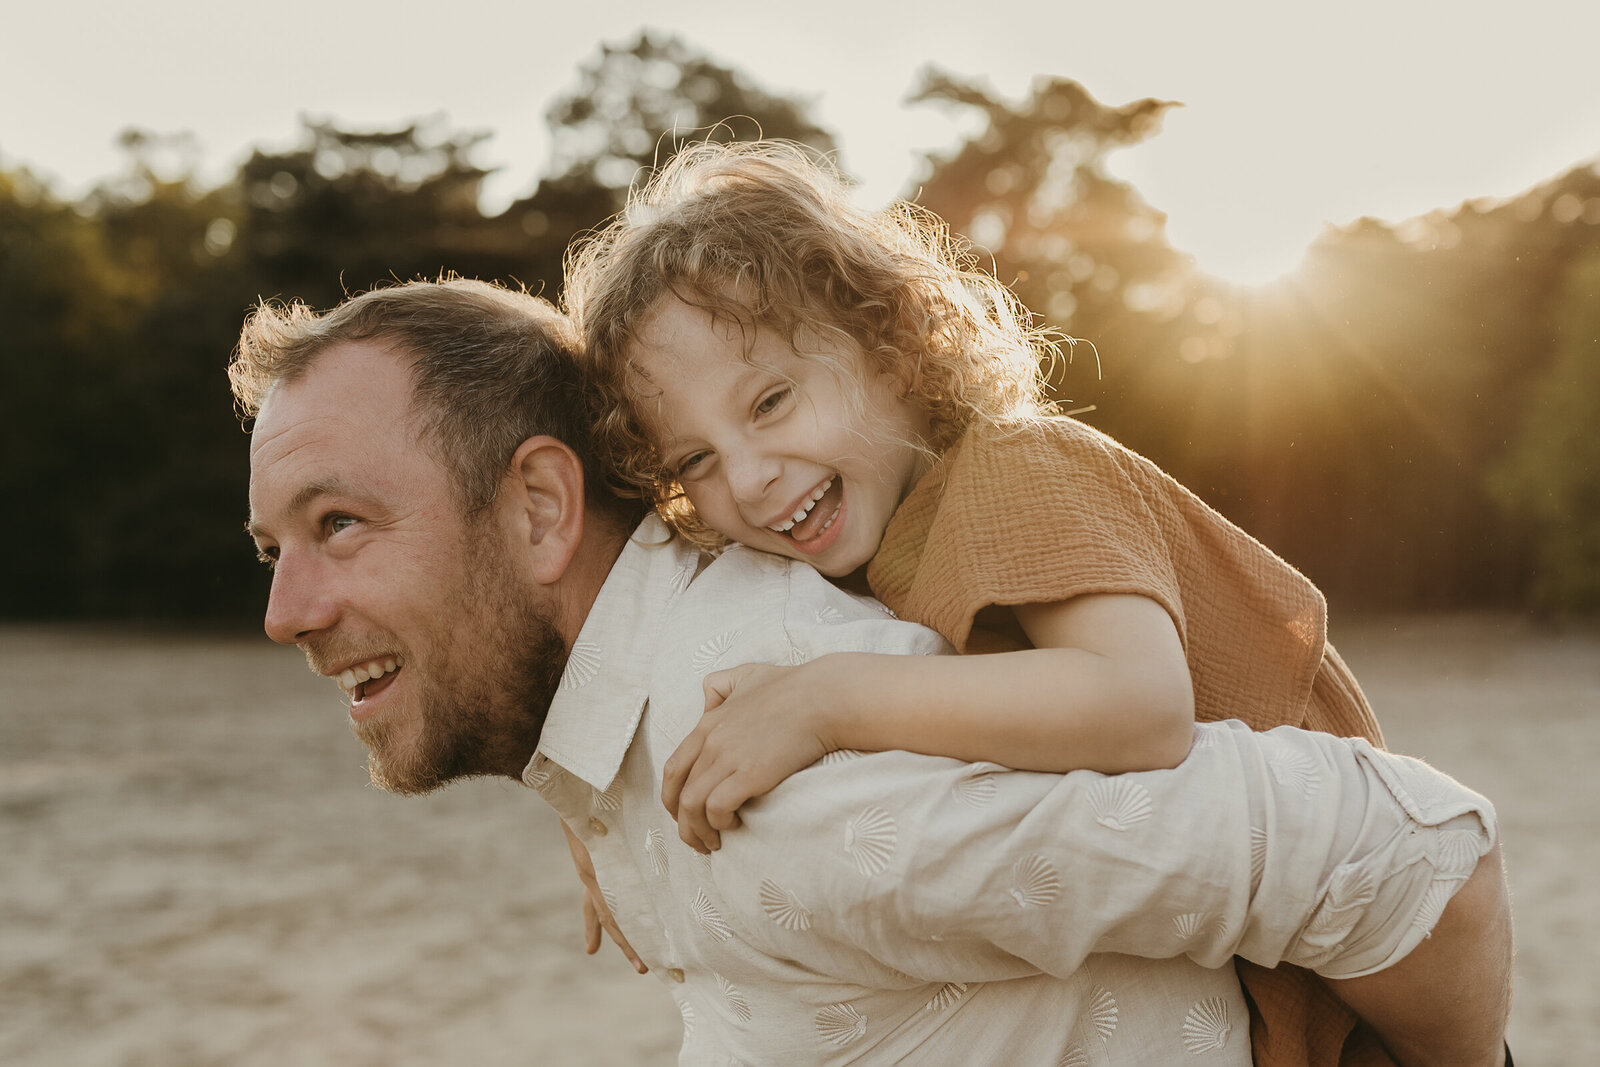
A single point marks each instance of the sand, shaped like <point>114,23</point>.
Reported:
<point>197,872</point>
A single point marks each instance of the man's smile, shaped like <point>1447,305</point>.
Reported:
<point>364,681</point>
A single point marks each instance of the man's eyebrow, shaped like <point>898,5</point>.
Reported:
<point>307,493</point>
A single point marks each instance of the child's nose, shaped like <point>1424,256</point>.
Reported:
<point>752,477</point>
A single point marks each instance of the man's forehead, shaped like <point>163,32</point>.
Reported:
<point>346,369</point>
<point>349,413</point>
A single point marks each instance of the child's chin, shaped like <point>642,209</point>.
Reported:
<point>833,568</point>
<point>786,546</point>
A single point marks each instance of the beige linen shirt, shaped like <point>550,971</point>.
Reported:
<point>890,907</point>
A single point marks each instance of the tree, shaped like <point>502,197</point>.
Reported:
<point>1345,416</point>
<point>636,104</point>
<point>1550,478</point>
<point>64,309</point>
<point>1031,190</point>
<point>633,107</point>
<point>346,210</point>
<point>119,312</point>
<point>167,488</point>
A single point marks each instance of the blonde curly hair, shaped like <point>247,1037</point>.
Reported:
<point>764,234</point>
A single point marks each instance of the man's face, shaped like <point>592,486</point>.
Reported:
<point>442,644</point>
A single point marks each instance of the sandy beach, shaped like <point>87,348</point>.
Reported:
<point>197,872</point>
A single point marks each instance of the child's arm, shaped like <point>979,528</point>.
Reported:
<point>1106,688</point>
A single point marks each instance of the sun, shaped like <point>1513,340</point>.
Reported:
<point>1249,252</point>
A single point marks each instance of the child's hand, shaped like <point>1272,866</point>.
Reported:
<point>596,915</point>
<point>761,724</point>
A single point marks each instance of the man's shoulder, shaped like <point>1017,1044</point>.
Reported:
<point>749,606</point>
<point>760,583</point>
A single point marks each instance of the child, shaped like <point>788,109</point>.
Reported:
<point>787,371</point>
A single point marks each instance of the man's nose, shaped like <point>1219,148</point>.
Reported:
<point>751,476</point>
<point>299,603</point>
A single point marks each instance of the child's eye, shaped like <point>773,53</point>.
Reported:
<point>770,403</point>
<point>687,464</point>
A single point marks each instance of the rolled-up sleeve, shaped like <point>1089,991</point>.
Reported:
<point>1286,846</point>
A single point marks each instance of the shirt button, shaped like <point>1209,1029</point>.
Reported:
<point>598,828</point>
<point>676,974</point>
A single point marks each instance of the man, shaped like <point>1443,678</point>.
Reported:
<point>420,483</point>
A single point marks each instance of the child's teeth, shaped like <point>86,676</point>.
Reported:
<point>805,509</point>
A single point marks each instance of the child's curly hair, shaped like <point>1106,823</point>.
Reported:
<point>764,234</point>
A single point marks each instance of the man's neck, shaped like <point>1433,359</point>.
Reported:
<point>603,541</point>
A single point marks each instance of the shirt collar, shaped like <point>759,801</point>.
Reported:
<point>605,686</point>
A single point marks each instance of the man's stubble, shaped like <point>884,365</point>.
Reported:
<point>481,689</point>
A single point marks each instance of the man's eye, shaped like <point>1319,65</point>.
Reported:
<point>269,556</point>
<point>769,403</point>
<point>339,523</point>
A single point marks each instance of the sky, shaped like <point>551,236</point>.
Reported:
<point>1296,115</point>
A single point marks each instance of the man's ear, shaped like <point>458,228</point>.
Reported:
<point>547,505</point>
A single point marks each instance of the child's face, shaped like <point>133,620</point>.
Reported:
<point>758,438</point>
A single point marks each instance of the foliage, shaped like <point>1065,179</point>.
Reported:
<point>1032,192</point>
<point>1550,479</point>
<point>1344,416</point>
<point>635,105</point>
<point>61,305</point>
<point>1408,419</point>
<point>118,314</point>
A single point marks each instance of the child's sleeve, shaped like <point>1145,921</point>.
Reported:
<point>1036,514</point>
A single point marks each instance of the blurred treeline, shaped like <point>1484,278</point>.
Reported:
<point>1408,418</point>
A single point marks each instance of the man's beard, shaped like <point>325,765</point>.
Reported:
<point>482,692</point>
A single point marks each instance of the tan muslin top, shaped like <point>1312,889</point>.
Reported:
<point>1052,509</point>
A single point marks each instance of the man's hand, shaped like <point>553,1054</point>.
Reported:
<point>596,916</point>
<point>761,724</point>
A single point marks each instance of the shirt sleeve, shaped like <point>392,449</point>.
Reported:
<point>1080,514</point>
<point>1287,846</point>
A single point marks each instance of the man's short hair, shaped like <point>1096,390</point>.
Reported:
<point>490,368</point>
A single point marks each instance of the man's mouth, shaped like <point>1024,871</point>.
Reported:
<point>365,680</point>
<point>815,513</point>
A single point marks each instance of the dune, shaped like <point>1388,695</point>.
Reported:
<point>197,872</point>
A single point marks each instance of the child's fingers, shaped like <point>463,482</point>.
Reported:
<point>725,800</point>
<point>671,789</point>
<point>696,832</point>
<point>675,772</point>
<point>719,685</point>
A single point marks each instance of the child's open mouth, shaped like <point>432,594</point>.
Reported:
<point>812,519</point>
